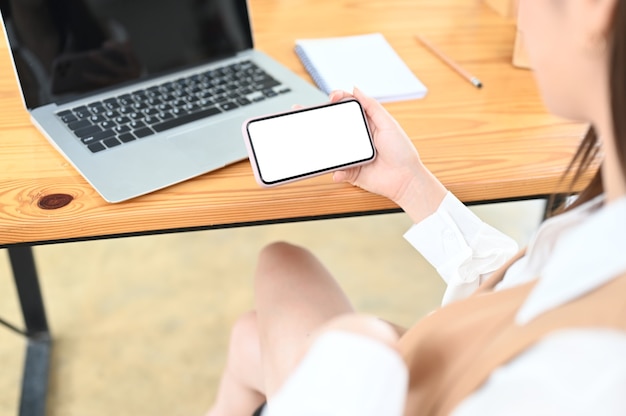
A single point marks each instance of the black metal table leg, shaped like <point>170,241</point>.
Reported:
<point>37,361</point>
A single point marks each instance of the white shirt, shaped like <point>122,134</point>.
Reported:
<point>570,372</point>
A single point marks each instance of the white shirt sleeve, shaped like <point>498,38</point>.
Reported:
<point>463,249</point>
<point>344,374</point>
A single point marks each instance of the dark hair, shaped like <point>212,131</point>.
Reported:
<point>588,150</point>
<point>618,81</point>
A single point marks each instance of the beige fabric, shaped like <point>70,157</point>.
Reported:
<point>452,352</point>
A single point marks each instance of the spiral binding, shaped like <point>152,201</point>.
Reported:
<point>308,65</point>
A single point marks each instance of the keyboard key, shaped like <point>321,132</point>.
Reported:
<point>97,137</point>
<point>68,118</point>
<point>111,104</point>
<point>220,97</point>
<point>178,112</point>
<point>267,82</point>
<point>87,131</point>
<point>151,120</point>
<point>107,124</point>
<point>228,105</point>
<point>178,103</point>
<point>96,147</point>
<point>140,106</point>
<point>95,119</point>
<point>136,124</point>
<point>112,142</point>
<point>82,113</point>
<point>136,116</point>
<point>80,108</point>
<point>127,102</point>
<point>146,131</point>
<point>79,124</point>
<point>121,129</point>
<point>126,137</point>
<point>191,108</point>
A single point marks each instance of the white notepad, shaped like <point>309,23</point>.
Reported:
<point>364,61</point>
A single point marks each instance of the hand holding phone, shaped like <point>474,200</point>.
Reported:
<point>307,142</point>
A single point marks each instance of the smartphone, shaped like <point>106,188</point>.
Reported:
<point>307,142</point>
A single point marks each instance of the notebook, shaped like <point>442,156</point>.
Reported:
<point>366,61</point>
<point>141,94</point>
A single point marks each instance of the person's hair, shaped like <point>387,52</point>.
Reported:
<point>589,148</point>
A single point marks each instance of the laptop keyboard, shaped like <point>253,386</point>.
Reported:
<point>101,125</point>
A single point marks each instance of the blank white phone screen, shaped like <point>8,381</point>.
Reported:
<point>310,141</point>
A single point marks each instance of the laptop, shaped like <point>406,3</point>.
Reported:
<point>142,94</point>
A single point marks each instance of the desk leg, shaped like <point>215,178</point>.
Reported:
<point>36,365</point>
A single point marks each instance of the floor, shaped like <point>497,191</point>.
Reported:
<point>141,324</point>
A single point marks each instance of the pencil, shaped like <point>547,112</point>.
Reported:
<point>462,72</point>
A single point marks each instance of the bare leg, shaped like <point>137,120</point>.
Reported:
<point>240,388</point>
<point>295,295</point>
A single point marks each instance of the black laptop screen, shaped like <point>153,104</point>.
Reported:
<point>67,48</point>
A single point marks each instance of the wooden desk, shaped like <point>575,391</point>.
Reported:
<point>491,144</point>
<point>497,143</point>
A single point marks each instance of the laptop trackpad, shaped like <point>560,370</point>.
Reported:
<point>209,146</point>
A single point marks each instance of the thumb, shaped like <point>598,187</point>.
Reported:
<point>340,176</point>
<point>348,175</point>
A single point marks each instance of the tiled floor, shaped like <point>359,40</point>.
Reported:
<point>140,324</point>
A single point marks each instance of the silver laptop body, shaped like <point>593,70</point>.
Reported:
<point>75,60</point>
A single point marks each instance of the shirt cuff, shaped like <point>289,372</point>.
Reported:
<point>440,239</point>
<point>460,246</point>
<point>344,374</point>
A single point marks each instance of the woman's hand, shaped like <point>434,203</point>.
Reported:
<point>397,172</point>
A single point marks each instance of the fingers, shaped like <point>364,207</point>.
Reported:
<point>376,112</point>
<point>333,97</point>
<point>339,95</point>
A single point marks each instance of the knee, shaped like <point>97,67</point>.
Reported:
<point>280,257</point>
<point>281,251</point>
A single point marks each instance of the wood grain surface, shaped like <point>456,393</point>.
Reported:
<point>489,144</point>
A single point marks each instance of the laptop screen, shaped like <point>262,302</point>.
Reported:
<point>64,49</point>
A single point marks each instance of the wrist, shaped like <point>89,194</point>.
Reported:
<point>421,194</point>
